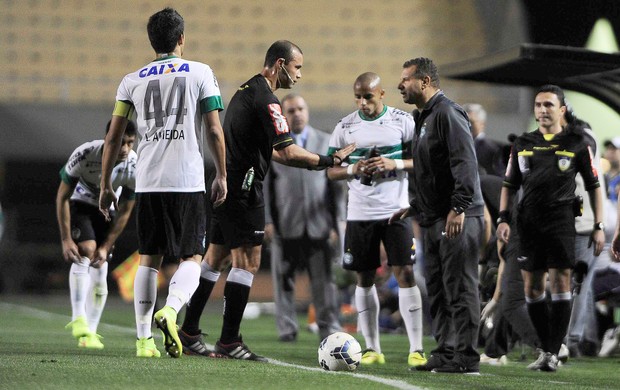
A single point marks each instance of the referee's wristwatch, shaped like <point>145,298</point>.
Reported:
<point>599,226</point>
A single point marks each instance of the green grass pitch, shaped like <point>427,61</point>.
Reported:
<point>36,352</point>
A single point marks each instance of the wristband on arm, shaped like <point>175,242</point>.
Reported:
<point>325,162</point>
<point>504,216</point>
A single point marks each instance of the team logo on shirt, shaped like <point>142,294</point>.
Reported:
<point>423,130</point>
<point>279,121</point>
<point>564,163</point>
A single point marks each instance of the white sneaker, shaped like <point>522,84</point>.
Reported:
<point>563,354</point>
<point>501,361</point>
<point>610,342</point>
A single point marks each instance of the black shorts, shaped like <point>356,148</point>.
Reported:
<point>171,223</point>
<point>234,224</point>
<point>362,241</point>
<point>87,223</point>
<point>547,239</point>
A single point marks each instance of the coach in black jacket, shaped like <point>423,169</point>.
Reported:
<point>448,204</point>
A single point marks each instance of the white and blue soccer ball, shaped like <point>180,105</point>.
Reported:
<point>339,352</point>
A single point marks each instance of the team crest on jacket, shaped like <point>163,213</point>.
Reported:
<point>423,130</point>
<point>564,163</point>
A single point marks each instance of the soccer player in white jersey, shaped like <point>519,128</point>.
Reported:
<point>387,131</point>
<point>175,100</point>
<point>87,238</point>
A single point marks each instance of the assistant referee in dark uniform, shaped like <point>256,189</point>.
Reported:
<point>545,162</point>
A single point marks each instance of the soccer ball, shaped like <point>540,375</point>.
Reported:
<point>339,352</point>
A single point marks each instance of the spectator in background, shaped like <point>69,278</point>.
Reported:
<point>302,211</point>
<point>606,291</point>
<point>582,334</point>
<point>87,237</point>
<point>612,176</point>
<point>488,152</point>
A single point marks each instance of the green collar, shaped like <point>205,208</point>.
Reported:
<point>165,58</point>
<point>364,117</point>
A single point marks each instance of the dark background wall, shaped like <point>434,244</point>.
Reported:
<point>46,114</point>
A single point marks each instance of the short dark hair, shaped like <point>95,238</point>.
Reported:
<point>554,89</point>
<point>424,67</point>
<point>280,49</point>
<point>288,97</point>
<point>130,130</point>
<point>164,29</point>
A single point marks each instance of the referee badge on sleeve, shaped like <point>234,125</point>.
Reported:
<point>564,159</point>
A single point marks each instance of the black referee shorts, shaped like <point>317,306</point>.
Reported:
<point>547,239</point>
<point>171,223</point>
<point>234,224</point>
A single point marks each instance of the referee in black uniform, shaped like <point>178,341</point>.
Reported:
<point>256,131</point>
<point>545,162</point>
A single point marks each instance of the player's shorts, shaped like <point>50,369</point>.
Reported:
<point>87,223</point>
<point>171,223</point>
<point>547,239</point>
<point>234,224</point>
<point>362,241</point>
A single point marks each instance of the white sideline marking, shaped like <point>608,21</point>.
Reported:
<point>46,315</point>
<point>42,314</point>
<point>397,384</point>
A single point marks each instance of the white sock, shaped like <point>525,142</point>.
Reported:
<point>367,304</point>
<point>144,296</point>
<point>410,306</point>
<point>183,284</point>
<point>208,273</point>
<point>79,283</point>
<point>97,296</point>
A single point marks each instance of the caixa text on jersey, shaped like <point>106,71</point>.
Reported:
<point>163,68</point>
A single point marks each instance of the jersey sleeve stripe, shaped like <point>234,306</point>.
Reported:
<point>123,108</point>
<point>65,177</point>
<point>128,194</point>
<point>210,104</point>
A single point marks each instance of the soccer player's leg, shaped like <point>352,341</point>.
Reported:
<point>396,240</point>
<point>236,294</point>
<point>362,254</point>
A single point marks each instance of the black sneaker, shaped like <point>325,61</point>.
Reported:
<point>551,363</point>
<point>288,338</point>
<point>453,367</point>
<point>194,345</point>
<point>237,350</point>
<point>433,362</point>
<point>540,361</point>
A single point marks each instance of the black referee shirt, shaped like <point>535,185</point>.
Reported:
<point>254,125</point>
<point>546,169</point>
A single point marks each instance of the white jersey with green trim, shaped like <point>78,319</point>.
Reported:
<point>389,132</point>
<point>169,96</point>
<point>84,165</point>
